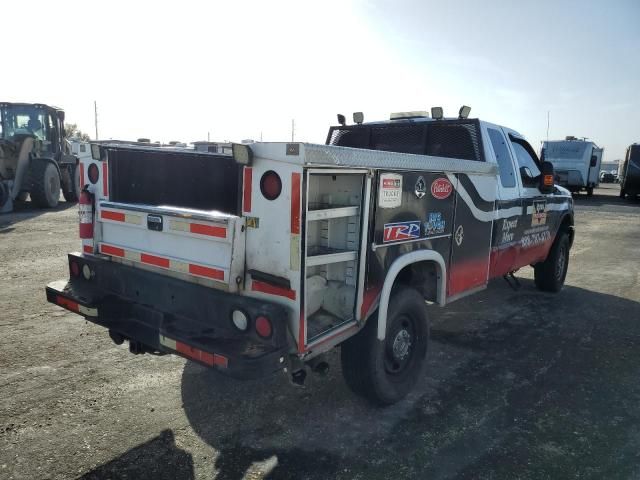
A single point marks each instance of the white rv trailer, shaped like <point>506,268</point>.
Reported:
<point>576,163</point>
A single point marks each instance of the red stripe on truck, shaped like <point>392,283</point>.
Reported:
<point>194,353</point>
<point>109,215</point>
<point>206,272</point>
<point>68,304</point>
<point>81,176</point>
<point>109,250</point>
<point>295,203</point>
<point>246,189</point>
<point>262,287</point>
<point>153,260</point>
<point>219,232</point>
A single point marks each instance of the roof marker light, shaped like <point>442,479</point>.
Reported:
<point>341,120</point>
<point>437,113</point>
<point>358,117</point>
<point>464,112</point>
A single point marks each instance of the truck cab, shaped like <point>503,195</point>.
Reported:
<point>264,260</point>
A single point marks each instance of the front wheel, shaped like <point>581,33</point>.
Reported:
<point>550,274</point>
<point>45,184</point>
<point>589,191</point>
<point>622,193</point>
<point>385,371</point>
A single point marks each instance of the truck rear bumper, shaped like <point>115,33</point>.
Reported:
<point>165,315</point>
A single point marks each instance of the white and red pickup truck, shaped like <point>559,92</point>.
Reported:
<point>265,260</point>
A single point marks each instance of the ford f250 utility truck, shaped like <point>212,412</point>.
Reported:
<point>265,260</point>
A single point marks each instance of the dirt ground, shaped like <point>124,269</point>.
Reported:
<point>520,384</point>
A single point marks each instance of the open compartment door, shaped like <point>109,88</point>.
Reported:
<point>336,208</point>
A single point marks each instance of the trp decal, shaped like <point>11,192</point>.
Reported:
<point>395,232</point>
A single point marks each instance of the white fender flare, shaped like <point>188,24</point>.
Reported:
<point>398,264</point>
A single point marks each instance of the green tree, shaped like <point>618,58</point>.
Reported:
<point>72,131</point>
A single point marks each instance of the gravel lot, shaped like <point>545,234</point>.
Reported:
<point>520,384</point>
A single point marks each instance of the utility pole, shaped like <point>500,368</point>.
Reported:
<point>548,115</point>
<point>208,137</point>
<point>95,113</point>
<point>293,129</point>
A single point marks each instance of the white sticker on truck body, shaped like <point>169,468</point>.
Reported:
<point>390,191</point>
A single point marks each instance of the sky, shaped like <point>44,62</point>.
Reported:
<point>182,70</point>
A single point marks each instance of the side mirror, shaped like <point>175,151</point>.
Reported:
<point>547,183</point>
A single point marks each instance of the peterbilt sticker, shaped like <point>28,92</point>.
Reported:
<point>441,188</point>
<point>435,224</point>
<point>390,192</point>
<point>395,232</point>
<point>539,213</point>
<point>421,187</point>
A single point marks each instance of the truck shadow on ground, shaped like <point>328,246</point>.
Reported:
<point>26,211</point>
<point>160,457</point>
<point>517,383</point>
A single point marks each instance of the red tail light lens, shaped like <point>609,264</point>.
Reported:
<point>75,268</point>
<point>270,185</point>
<point>94,173</point>
<point>263,327</point>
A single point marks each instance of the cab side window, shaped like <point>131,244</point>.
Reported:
<point>526,159</point>
<point>505,165</point>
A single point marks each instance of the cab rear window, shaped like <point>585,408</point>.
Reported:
<point>451,139</point>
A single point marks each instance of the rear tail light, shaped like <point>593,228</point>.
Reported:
<point>93,173</point>
<point>270,185</point>
<point>263,327</point>
<point>75,268</point>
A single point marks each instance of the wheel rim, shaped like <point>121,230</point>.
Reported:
<point>562,262</point>
<point>400,344</point>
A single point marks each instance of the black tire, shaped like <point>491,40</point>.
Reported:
<point>622,193</point>
<point>589,191</point>
<point>71,192</point>
<point>384,372</point>
<point>550,274</point>
<point>45,184</point>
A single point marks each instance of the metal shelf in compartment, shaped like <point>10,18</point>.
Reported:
<point>318,255</point>
<point>324,212</point>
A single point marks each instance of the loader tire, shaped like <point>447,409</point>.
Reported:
<point>71,192</point>
<point>550,275</point>
<point>45,184</point>
<point>385,371</point>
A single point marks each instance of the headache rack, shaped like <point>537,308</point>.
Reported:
<point>443,138</point>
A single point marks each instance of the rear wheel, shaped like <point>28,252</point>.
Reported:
<point>385,371</point>
<point>622,193</point>
<point>550,274</point>
<point>71,191</point>
<point>589,191</point>
<point>45,184</point>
